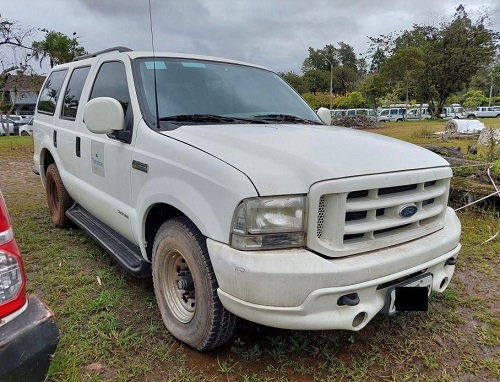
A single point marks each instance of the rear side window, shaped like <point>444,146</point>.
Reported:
<point>74,92</point>
<point>111,81</point>
<point>50,92</point>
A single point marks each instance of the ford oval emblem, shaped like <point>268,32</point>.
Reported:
<point>408,211</point>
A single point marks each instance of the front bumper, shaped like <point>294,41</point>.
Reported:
<point>298,289</point>
<point>28,343</point>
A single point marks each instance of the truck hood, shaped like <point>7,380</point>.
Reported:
<point>288,159</point>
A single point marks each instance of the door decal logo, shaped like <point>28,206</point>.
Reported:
<point>97,158</point>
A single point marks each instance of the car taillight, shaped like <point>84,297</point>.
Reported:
<point>12,278</point>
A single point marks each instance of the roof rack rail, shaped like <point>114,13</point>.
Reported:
<point>113,49</point>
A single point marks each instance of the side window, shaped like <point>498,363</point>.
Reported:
<point>50,92</point>
<point>111,81</point>
<point>74,92</point>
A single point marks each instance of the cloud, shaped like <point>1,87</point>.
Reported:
<point>275,34</point>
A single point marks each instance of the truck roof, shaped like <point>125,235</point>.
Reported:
<point>139,54</point>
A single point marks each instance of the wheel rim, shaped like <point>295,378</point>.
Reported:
<point>178,287</point>
<point>53,197</point>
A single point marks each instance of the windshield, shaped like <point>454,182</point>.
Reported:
<point>207,92</point>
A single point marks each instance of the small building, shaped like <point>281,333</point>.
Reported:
<point>20,91</point>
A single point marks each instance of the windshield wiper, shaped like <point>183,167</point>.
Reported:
<point>287,118</point>
<point>208,118</point>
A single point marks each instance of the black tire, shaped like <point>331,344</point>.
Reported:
<point>471,116</point>
<point>24,133</point>
<point>186,287</point>
<point>58,199</point>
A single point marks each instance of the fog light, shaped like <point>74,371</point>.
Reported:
<point>358,320</point>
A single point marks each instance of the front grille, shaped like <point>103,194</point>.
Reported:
<point>359,220</point>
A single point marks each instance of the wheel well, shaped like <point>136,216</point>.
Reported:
<point>157,215</point>
<point>47,160</point>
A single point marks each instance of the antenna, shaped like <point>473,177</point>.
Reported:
<point>154,66</point>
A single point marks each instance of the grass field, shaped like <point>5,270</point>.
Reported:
<point>111,329</point>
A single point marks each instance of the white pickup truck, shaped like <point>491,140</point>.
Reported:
<point>483,112</point>
<point>216,178</point>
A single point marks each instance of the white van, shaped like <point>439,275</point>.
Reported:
<point>453,112</point>
<point>418,114</point>
<point>394,114</point>
<point>218,180</point>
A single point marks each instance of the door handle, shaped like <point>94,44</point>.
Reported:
<point>78,152</point>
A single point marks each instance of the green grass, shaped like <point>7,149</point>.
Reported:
<point>111,329</point>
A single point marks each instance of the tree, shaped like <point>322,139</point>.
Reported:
<point>344,78</point>
<point>405,68</point>
<point>340,64</point>
<point>347,57</point>
<point>12,35</point>
<point>317,81</point>
<point>454,52</point>
<point>474,98</point>
<point>378,59</point>
<point>352,100</point>
<point>295,81</point>
<point>321,59</point>
<point>57,47</point>
<point>373,89</point>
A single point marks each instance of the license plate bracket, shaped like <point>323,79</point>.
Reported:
<point>411,294</point>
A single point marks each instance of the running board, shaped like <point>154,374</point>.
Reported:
<point>123,251</point>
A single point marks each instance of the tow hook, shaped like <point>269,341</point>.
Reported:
<point>351,299</point>
<point>450,261</point>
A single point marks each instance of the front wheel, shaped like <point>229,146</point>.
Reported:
<point>24,133</point>
<point>58,199</point>
<point>186,287</point>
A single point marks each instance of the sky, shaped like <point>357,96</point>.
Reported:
<point>272,33</point>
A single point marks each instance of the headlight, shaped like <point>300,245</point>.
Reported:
<point>269,222</point>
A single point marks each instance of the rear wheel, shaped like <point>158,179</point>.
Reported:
<point>186,287</point>
<point>58,199</point>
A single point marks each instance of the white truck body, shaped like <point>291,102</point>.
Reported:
<point>418,113</point>
<point>372,211</point>
<point>484,112</point>
<point>394,114</point>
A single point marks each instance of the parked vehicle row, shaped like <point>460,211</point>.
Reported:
<point>370,113</point>
<point>17,125</point>
<point>397,114</point>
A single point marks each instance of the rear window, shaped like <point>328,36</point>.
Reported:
<point>50,92</point>
<point>73,92</point>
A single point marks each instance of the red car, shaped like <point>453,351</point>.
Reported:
<point>28,331</point>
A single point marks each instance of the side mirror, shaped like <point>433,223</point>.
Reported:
<point>104,115</point>
<point>325,115</point>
